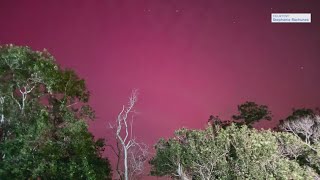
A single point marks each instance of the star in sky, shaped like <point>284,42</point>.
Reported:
<point>235,20</point>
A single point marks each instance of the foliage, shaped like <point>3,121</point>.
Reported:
<point>304,124</point>
<point>301,113</point>
<point>233,153</point>
<point>250,112</point>
<point>307,128</point>
<point>43,129</point>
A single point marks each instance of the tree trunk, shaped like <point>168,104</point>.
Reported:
<point>125,164</point>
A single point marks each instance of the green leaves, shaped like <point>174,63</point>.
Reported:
<point>234,153</point>
<point>250,112</point>
<point>44,133</point>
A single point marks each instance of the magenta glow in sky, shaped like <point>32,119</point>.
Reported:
<point>189,58</point>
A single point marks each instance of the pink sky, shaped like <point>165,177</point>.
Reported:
<point>190,59</point>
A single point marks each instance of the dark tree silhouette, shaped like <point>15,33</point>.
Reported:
<point>300,113</point>
<point>250,112</point>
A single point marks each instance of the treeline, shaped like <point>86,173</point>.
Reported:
<point>235,150</point>
<point>44,134</point>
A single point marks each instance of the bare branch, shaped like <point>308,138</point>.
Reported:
<point>306,128</point>
<point>134,154</point>
<point>16,100</point>
<point>2,104</point>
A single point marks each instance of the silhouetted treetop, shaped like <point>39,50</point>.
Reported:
<point>250,112</point>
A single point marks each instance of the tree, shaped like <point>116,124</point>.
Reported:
<point>43,129</point>
<point>234,153</point>
<point>305,125</point>
<point>250,112</point>
<point>294,148</point>
<point>301,113</point>
<point>307,128</point>
<point>128,150</point>
<point>137,158</point>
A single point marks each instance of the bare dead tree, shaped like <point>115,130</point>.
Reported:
<point>138,156</point>
<point>128,150</point>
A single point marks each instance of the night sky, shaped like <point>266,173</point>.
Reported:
<point>188,58</point>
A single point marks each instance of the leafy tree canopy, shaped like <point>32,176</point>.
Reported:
<point>43,113</point>
<point>234,153</point>
<point>250,112</point>
<point>300,113</point>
